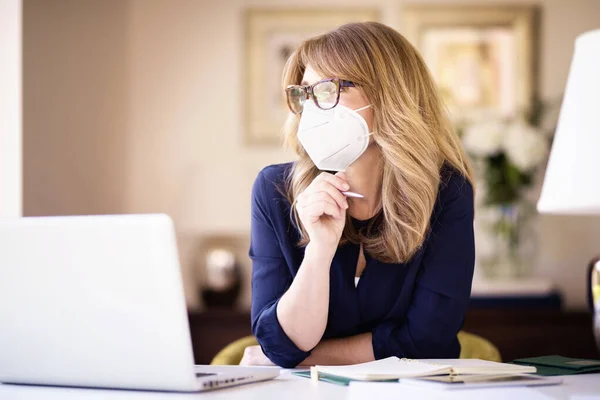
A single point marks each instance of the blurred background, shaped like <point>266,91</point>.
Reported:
<point>173,106</point>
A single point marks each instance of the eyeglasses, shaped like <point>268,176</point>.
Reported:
<point>325,94</point>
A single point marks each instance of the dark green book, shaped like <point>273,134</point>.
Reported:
<point>559,365</point>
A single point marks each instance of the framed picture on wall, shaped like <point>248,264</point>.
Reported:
<point>271,36</point>
<point>482,57</point>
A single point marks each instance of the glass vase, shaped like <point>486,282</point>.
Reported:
<point>506,234</point>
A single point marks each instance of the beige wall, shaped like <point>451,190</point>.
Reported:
<point>75,89</point>
<point>10,109</point>
<point>135,106</point>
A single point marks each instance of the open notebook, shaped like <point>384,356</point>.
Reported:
<point>395,368</point>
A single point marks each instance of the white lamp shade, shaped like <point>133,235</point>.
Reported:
<point>572,182</point>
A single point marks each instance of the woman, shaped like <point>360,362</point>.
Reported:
<point>339,279</point>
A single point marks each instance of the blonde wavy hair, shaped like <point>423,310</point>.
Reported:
<point>411,130</point>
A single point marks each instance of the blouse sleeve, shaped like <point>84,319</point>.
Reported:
<point>271,277</point>
<point>442,288</point>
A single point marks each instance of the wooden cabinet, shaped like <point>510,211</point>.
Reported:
<point>212,330</point>
<point>530,333</point>
<point>516,333</point>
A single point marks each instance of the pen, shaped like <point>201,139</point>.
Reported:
<point>352,194</point>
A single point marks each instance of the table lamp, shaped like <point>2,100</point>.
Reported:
<point>572,182</point>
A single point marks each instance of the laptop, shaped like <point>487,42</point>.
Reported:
<point>97,301</point>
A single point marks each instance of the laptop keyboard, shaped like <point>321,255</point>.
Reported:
<point>214,384</point>
<point>202,374</point>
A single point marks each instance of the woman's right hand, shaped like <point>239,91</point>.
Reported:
<point>322,210</point>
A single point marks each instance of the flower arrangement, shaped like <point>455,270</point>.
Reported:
<point>507,153</point>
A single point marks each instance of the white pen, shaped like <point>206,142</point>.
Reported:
<point>352,194</point>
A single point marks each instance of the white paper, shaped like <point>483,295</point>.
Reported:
<point>388,367</point>
<point>476,366</point>
<point>396,391</point>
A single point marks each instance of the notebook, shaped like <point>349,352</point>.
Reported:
<point>394,368</point>
<point>558,365</point>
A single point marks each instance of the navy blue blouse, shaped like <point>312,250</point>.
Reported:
<point>413,310</point>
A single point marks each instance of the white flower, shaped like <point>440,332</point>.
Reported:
<point>484,138</point>
<point>525,146</point>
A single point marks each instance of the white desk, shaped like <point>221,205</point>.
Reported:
<point>287,386</point>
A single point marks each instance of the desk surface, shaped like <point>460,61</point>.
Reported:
<point>291,387</point>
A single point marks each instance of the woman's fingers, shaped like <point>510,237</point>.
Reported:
<point>326,188</point>
<point>318,196</point>
<point>321,207</point>
<point>253,355</point>
<point>342,176</point>
<point>323,197</point>
<point>317,205</point>
<point>337,181</point>
<point>333,192</point>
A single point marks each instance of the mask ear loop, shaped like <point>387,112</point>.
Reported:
<point>365,136</point>
<point>363,108</point>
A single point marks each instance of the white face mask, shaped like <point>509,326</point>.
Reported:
<point>334,138</point>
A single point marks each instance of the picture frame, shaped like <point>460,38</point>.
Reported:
<point>271,35</point>
<point>481,57</point>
